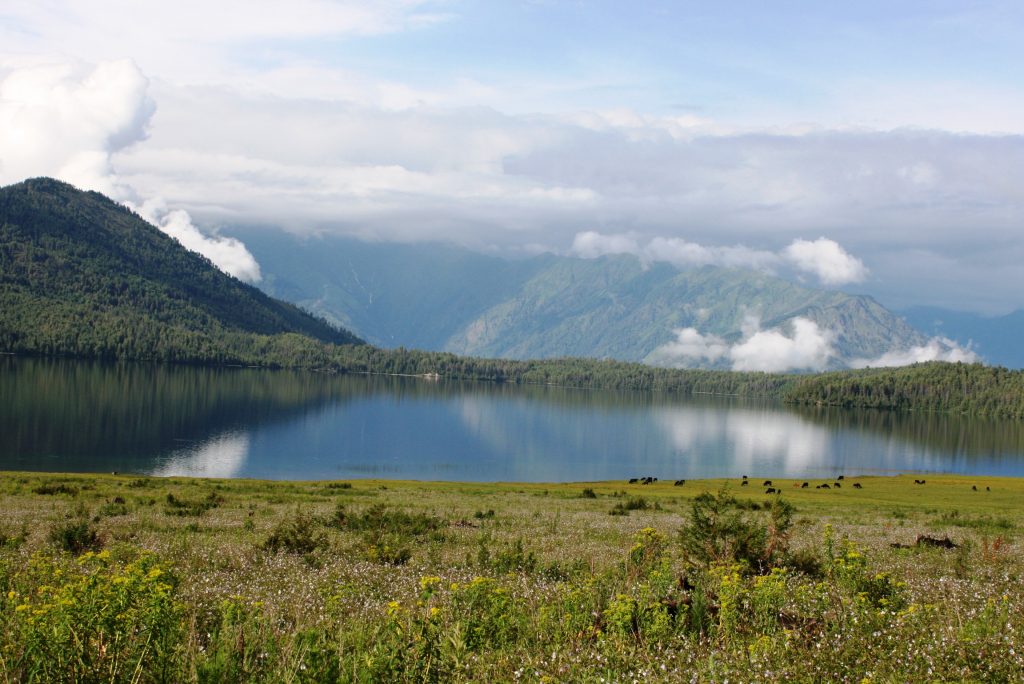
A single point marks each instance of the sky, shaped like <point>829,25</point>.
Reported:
<point>875,147</point>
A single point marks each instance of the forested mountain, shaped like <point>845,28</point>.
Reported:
<point>442,297</point>
<point>996,338</point>
<point>82,275</point>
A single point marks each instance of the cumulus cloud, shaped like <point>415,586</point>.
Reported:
<point>936,349</point>
<point>228,254</point>
<point>823,258</point>
<point>690,348</point>
<point>68,121</point>
<point>808,347</point>
<point>804,346</point>
<point>827,260</point>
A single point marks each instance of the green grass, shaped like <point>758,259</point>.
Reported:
<point>424,581</point>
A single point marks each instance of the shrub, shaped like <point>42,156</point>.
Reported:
<point>76,536</point>
<point>388,548</point>
<point>52,489</point>
<point>719,532</point>
<point>297,534</point>
<point>630,504</point>
<point>182,507</point>
<point>513,557</point>
<point>588,493</point>
<point>378,518</point>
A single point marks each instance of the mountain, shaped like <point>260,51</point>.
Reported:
<point>82,275</point>
<point>996,338</point>
<point>443,297</point>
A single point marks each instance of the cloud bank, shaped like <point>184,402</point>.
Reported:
<point>798,345</point>
<point>315,148</point>
<point>69,121</point>
<point>803,346</point>
<point>823,258</point>
<point>936,349</point>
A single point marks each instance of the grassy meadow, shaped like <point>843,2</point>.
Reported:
<point>135,579</point>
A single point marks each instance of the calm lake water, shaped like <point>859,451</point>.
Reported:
<point>60,415</point>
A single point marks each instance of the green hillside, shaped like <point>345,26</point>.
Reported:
<point>442,297</point>
<point>955,387</point>
<point>81,275</point>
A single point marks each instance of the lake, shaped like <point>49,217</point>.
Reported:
<point>75,416</point>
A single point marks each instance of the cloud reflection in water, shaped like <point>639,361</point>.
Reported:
<point>220,456</point>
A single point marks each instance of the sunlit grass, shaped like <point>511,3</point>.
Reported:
<point>378,581</point>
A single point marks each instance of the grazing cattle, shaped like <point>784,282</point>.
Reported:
<point>841,477</point>
<point>767,483</point>
<point>919,482</point>
<point>647,480</point>
<point>770,490</point>
<point>632,480</point>
<point>974,488</point>
<point>988,489</point>
<point>857,485</point>
<point>744,477</point>
<point>825,486</point>
<point>837,485</point>
<point>744,483</point>
<point>679,483</point>
<point>944,543</point>
<point>805,485</point>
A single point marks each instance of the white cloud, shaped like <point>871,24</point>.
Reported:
<point>827,260</point>
<point>591,245</point>
<point>228,254</point>
<point>936,349</point>
<point>823,258</point>
<point>68,120</point>
<point>688,348</point>
<point>65,120</point>
<point>806,347</point>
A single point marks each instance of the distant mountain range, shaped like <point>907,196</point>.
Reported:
<point>82,275</point>
<point>443,297</point>
<point>998,339</point>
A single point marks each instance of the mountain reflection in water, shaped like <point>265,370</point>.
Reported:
<point>60,415</point>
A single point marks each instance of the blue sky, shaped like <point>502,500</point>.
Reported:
<point>891,131</point>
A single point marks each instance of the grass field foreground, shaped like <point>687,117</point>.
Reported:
<point>125,578</point>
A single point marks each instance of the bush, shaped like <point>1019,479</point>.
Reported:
<point>52,489</point>
<point>720,533</point>
<point>297,534</point>
<point>379,519</point>
<point>630,504</point>
<point>182,507</point>
<point>76,536</point>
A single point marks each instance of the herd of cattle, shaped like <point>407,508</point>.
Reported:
<point>767,484</point>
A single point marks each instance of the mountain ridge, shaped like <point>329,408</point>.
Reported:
<point>80,273</point>
<point>448,298</point>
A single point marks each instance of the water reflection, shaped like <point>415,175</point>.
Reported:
<point>756,441</point>
<point>75,416</point>
<point>221,456</point>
